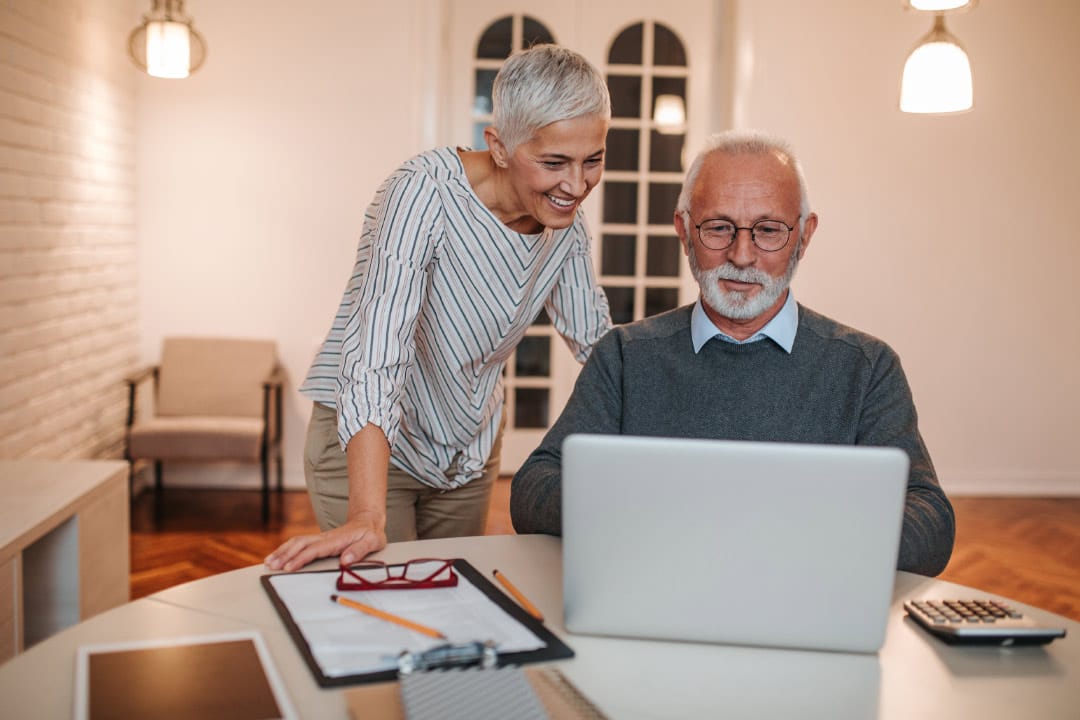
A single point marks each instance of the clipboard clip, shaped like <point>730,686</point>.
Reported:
<point>448,656</point>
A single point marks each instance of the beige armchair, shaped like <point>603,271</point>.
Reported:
<point>215,400</point>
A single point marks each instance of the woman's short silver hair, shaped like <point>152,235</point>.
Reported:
<point>542,85</point>
<point>746,142</point>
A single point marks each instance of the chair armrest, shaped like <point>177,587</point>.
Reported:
<point>141,374</point>
<point>275,379</point>
<point>272,403</point>
<point>133,381</point>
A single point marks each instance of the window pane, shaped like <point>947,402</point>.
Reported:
<point>533,356</point>
<point>621,302</point>
<point>617,255</point>
<point>534,33</point>
<point>625,91</point>
<point>627,47</point>
<point>667,49</point>
<point>620,202</point>
<point>495,42</point>
<point>531,407</point>
<point>668,86</point>
<point>482,97</point>
<point>663,256</point>
<point>665,152</point>
<point>658,300</point>
<point>622,149</point>
<point>662,200</point>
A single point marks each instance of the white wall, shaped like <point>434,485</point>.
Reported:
<point>954,237</point>
<point>254,174</point>
<point>950,237</point>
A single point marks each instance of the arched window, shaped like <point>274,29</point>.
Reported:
<point>528,373</point>
<point>499,41</point>
<point>640,257</point>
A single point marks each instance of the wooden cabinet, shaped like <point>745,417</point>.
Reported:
<point>64,546</point>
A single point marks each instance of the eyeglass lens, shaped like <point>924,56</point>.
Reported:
<point>770,235</point>
<point>415,571</point>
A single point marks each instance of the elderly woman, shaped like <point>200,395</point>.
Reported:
<point>460,251</point>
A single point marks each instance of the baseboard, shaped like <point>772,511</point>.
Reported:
<point>225,476</point>
<point>1011,484</point>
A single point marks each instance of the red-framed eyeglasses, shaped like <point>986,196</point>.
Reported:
<point>414,575</point>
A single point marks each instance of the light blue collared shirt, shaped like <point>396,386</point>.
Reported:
<point>781,329</point>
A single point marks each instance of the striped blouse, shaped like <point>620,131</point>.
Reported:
<point>439,297</point>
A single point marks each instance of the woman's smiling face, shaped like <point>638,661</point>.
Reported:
<point>554,171</point>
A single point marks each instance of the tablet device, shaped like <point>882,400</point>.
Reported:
<point>212,677</point>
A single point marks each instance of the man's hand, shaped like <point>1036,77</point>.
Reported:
<point>356,539</point>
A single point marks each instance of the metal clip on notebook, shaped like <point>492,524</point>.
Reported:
<point>449,656</point>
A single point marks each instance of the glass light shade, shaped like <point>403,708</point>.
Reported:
<point>669,114</point>
<point>937,75</point>
<point>168,49</point>
<point>166,44</point>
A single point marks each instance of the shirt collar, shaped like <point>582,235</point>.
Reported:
<point>781,329</point>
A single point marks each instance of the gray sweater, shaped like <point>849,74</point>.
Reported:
<point>838,386</point>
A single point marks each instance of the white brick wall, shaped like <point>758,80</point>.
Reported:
<point>68,282</point>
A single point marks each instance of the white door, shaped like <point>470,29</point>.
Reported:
<point>644,51</point>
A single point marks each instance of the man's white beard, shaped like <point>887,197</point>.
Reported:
<point>737,305</point>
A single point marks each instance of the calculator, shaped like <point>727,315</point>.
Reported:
<point>979,622</point>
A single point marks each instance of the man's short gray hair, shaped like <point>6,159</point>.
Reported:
<point>542,85</point>
<point>746,142</point>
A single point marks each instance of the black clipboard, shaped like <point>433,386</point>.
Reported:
<point>554,648</point>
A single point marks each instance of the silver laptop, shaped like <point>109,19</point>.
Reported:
<point>772,544</point>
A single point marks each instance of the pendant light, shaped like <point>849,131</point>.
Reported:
<point>669,114</point>
<point>166,45</point>
<point>937,74</point>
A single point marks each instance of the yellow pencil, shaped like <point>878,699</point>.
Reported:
<point>524,601</point>
<point>388,617</point>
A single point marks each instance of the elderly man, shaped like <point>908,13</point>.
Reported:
<point>745,362</point>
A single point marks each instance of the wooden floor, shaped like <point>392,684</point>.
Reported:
<point>1023,548</point>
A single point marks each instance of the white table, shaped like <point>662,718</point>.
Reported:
<point>64,549</point>
<point>914,676</point>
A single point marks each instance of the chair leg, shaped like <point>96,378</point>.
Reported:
<point>280,471</point>
<point>158,473</point>
<point>265,489</point>
<point>278,436</point>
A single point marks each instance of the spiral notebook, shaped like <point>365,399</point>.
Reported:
<point>476,694</point>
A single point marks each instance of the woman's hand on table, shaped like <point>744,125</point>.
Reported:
<point>356,539</point>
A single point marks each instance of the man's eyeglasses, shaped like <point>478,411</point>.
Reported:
<point>768,235</point>
<point>413,575</point>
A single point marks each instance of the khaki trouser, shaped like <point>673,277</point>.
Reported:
<point>414,511</point>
